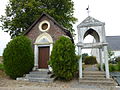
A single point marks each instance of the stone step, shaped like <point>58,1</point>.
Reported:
<point>93,73</point>
<point>39,72</point>
<point>43,70</point>
<point>38,75</point>
<point>97,82</point>
<point>93,78</point>
<point>48,80</point>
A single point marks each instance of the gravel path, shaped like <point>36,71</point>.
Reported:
<point>7,84</point>
<point>91,68</point>
<point>52,88</point>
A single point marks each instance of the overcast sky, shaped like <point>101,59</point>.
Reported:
<point>107,11</point>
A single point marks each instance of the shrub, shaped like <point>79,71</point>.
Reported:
<point>84,55</point>
<point>117,59</point>
<point>1,67</point>
<point>112,67</point>
<point>63,60</point>
<point>90,60</point>
<point>112,62</point>
<point>118,64</point>
<point>18,57</point>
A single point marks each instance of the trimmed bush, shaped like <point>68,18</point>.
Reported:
<point>18,57</point>
<point>63,60</point>
<point>1,66</point>
<point>90,60</point>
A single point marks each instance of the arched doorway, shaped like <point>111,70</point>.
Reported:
<point>43,47</point>
<point>90,37</point>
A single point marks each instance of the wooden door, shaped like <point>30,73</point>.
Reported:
<point>43,57</point>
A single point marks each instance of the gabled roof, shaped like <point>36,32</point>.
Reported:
<point>53,20</point>
<point>113,42</point>
<point>90,21</point>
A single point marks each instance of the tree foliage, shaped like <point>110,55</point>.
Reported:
<point>20,14</point>
<point>63,60</point>
<point>18,57</point>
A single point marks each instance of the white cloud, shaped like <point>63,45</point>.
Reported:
<point>4,37</point>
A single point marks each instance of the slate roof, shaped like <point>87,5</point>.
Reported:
<point>113,42</point>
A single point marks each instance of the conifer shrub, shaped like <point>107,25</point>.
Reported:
<point>18,58</point>
<point>90,60</point>
<point>63,60</point>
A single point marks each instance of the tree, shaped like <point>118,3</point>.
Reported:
<point>63,60</point>
<point>20,14</point>
<point>18,57</point>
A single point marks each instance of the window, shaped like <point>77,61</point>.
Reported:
<point>44,26</point>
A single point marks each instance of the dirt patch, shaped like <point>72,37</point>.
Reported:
<point>2,74</point>
<point>5,81</point>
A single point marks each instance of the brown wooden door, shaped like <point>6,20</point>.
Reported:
<point>43,57</point>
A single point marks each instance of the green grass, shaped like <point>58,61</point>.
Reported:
<point>1,67</point>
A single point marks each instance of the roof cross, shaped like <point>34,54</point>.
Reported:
<point>88,11</point>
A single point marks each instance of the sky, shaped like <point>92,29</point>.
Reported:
<point>104,10</point>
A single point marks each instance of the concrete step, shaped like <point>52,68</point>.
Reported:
<point>39,72</point>
<point>97,82</point>
<point>38,76</point>
<point>92,78</point>
<point>96,78</point>
<point>93,73</point>
<point>48,80</point>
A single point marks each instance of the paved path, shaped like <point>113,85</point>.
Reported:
<point>91,68</point>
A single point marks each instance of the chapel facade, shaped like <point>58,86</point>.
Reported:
<point>43,33</point>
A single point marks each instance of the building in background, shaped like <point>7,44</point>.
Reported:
<point>113,45</point>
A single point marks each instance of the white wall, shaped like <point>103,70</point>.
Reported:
<point>116,53</point>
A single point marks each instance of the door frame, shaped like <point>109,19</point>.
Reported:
<point>38,43</point>
<point>40,46</point>
<point>36,50</point>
